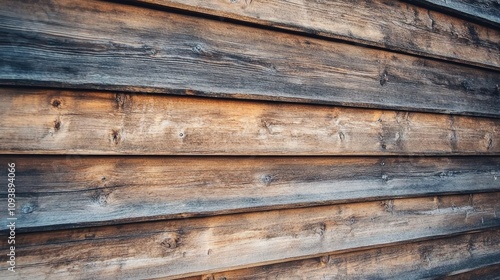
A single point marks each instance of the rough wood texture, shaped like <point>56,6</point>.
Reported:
<point>389,24</point>
<point>467,256</point>
<point>164,248</point>
<point>486,11</point>
<point>80,122</point>
<point>51,43</point>
<point>490,272</point>
<point>58,192</point>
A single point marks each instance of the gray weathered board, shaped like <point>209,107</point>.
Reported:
<point>393,25</point>
<point>75,191</point>
<point>51,43</point>
<point>485,11</point>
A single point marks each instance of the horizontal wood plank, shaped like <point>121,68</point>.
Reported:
<point>484,11</point>
<point>62,192</point>
<point>51,43</point>
<point>81,122</point>
<point>469,256</point>
<point>164,248</point>
<point>489,272</point>
<point>389,24</point>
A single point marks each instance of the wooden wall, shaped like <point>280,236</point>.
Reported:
<point>251,139</point>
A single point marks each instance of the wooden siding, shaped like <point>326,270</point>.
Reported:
<point>181,54</point>
<point>107,190</point>
<point>389,24</point>
<point>180,247</point>
<point>485,11</point>
<point>468,256</point>
<point>60,122</point>
<point>251,139</point>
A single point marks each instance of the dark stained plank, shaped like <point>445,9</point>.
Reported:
<point>190,247</point>
<point>485,11</point>
<point>490,272</point>
<point>389,24</point>
<point>432,259</point>
<point>73,191</point>
<point>52,43</point>
<point>104,123</point>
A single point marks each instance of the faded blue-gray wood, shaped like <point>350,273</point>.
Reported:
<point>394,25</point>
<point>75,191</point>
<point>52,43</point>
<point>485,11</point>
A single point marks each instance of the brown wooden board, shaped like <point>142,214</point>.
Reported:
<point>389,24</point>
<point>490,272</point>
<point>469,256</point>
<point>82,122</point>
<point>74,191</point>
<point>190,247</point>
<point>484,11</point>
<point>100,45</point>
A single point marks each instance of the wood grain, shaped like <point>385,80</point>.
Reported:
<point>51,43</point>
<point>102,123</point>
<point>490,272</point>
<point>468,256</point>
<point>73,191</point>
<point>484,11</point>
<point>162,249</point>
<point>388,24</point>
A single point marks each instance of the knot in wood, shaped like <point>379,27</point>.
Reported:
<point>56,103</point>
<point>384,78</point>
<point>27,208</point>
<point>267,179</point>
<point>169,243</point>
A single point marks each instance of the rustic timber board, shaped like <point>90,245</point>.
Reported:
<point>485,11</point>
<point>388,24</point>
<point>74,191</point>
<point>105,123</point>
<point>226,242</point>
<point>468,256</point>
<point>491,272</point>
<point>51,43</point>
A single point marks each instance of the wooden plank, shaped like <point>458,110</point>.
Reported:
<point>62,192</point>
<point>433,259</point>
<point>484,11</point>
<point>81,122</point>
<point>220,243</point>
<point>388,24</point>
<point>490,272</point>
<point>51,43</point>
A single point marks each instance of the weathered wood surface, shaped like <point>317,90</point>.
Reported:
<point>51,43</point>
<point>490,272</point>
<point>81,122</point>
<point>469,256</point>
<point>485,11</point>
<point>62,192</point>
<point>189,247</point>
<point>389,24</point>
